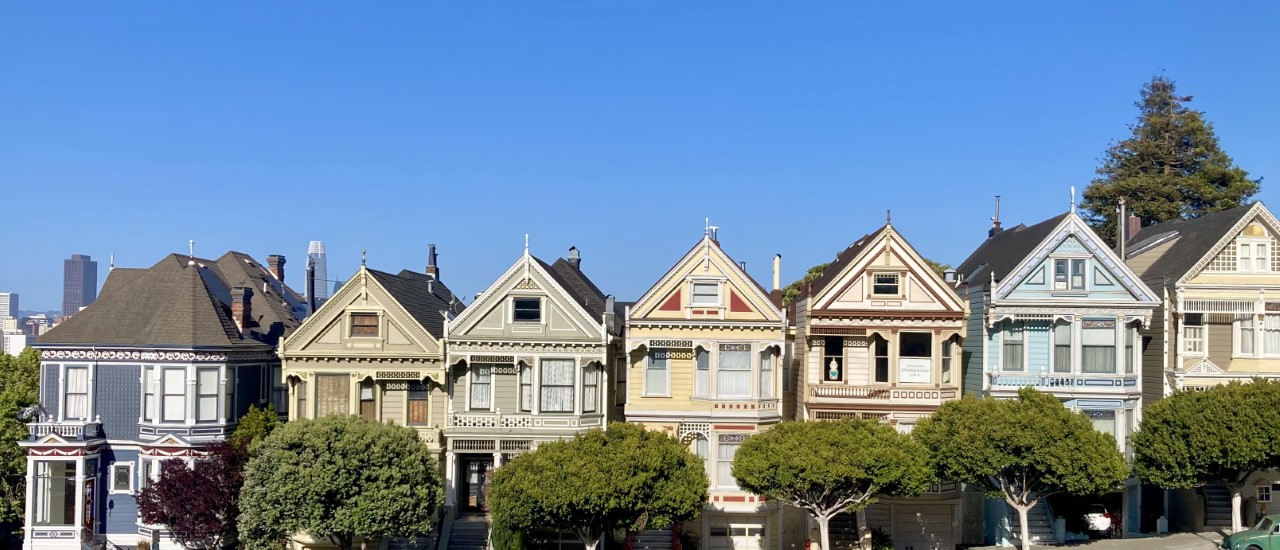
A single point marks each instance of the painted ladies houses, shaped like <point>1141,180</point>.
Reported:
<point>533,359</point>
<point>704,346</point>
<point>164,362</point>
<point>879,332</point>
<point>1053,307</point>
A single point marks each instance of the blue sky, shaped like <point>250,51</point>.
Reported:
<point>129,128</point>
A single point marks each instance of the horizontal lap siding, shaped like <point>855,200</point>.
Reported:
<point>1153,359</point>
<point>971,349</point>
<point>1220,342</point>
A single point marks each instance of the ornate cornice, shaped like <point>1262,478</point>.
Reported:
<point>887,323</point>
<point>154,355</point>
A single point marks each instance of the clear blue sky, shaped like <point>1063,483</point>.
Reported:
<point>128,128</point>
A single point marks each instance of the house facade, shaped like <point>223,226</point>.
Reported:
<point>163,363</point>
<point>533,359</point>
<point>704,347</point>
<point>879,336</point>
<point>1053,307</point>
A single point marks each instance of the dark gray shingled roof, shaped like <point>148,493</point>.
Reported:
<point>425,298</point>
<point>1004,251</point>
<point>1194,238</point>
<point>173,304</point>
<point>580,287</point>
<point>844,258</point>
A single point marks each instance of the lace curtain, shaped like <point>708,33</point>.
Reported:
<point>557,385</point>
<point>734,375</point>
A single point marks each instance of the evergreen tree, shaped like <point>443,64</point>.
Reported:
<point>1169,168</point>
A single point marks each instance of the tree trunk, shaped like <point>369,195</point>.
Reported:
<point>1026,529</point>
<point>824,532</point>
<point>1237,519</point>
<point>591,545</point>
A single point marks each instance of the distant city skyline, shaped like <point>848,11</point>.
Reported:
<point>8,304</point>
<point>320,271</point>
<point>79,283</point>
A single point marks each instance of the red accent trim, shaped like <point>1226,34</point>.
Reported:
<point>734,427</point>
<point>736,305</point>
<point>735,499</point>
<point>672,303</point>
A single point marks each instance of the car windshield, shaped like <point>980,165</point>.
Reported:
<point>1264,525</point>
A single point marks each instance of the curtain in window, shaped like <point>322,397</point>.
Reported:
<point>1103,421</point>
<point>1271,335</point>
<point>1246,335</point>
<point>207,395</point>
<point>724,464</point>
<point>175,395</point>
<point>590,385</point>
<point>1062,347</point>
<point>733,377</point>
<point>655,373</point>
<point>481,378</point>
<point>300,390</point>
<point>946,362</point>
<point>702,373</point>
<point>77,403</point>
<point>332,394</point>
<point>702,448</point>
<point>149,394</point>
<point>1130,334</point>
<point>766,375</point>
<point>526,388</point>
<point>557,385</point>
<point>1012,350</point>
<point>1098,350</point>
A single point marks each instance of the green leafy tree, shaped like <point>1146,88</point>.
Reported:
<point>1170,167</point>
<point>1220,435</point>
<point>625,477</point>
<point>1022,450</point>
<point>828,467</point>
<point>255,425</point>
<point>341,478</point>
<point>793,290</point>
<point>19,391</point>
<point>940,269</point>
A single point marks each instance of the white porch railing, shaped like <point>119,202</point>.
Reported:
<point>849,392</point>
<point>1118,383</point>
<point>73,429</point>
<point>524,420</point>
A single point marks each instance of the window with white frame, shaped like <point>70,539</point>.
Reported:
<point>1062,332</point>
<point>481,386</point>
<point>590,388</point>
<point>527,310</point>
<point>702,448</point>
<point>655,372</point>
<point>1130,337</point>
<point>1253,256</point>
<point>1068,274</point>
<point>207,394</point>
<point>146,474</point>
<point>1011,349</point>
<point>1264,493</point>
<point>620,384</point>
<point>886,284</point>
<point>1193,333</point>
<point>173,395</point>
<point>149,386</point>
<point>54,495</point>
<point>1271,335</point>
<point>767,360</point>
<point>726,449</point>
<point>733,370</point>
<point>557,385</point>
<point>881,348</point>
<point>122,477</point>
<point>76,402</point>
<point>701,372</point>
<point>526,388</point>
<point>1098,347</point>
<point>946,361</point>
<point>1246,339</point>
<point>705,294</point>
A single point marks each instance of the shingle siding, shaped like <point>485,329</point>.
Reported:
<point>117,398</point>
<point>49,389</point>
<point>121,513</point>
<point>1153,359</point>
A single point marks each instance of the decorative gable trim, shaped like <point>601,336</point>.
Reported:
<point>702,252</point>
<point>1205,366</point>
<point>888,242</point>
<point>1072,226</point>
<point>525,268</point>
<point>358,287</point>
<point>1256,212</point>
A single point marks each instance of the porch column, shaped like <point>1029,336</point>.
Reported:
<point>497,460</point>
<point>79,496</point>
<point>450,479</point>
<point>577,385</point>
<point>535,371</point>
<point>30,503</point>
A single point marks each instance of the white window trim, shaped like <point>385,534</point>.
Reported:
<point>542,311</point>
<point>90,371</point>
<point>644,374</point>
<point>1204,338</point>
<point>1074,367</point>
<point>754,374</point>
<point>1025,350</point>
<point>1084,274</point>
<point>471,374</point>
<point>351,319</point>
<point>1259,338</point>
<point>871,284</point>
<point>112,479</point>
<point>1251,265</point>
<point>719,283</point>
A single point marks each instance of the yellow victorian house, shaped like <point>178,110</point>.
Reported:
<point>704,352</point>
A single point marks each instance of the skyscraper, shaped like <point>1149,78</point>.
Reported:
<point>320,275</point>
<point>8,304</point>
<point>79,283</point>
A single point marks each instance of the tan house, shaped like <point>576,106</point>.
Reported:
<point>704,347</point>
<point>878,337</point>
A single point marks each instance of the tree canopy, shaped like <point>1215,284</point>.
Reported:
<point>1220,435</point>
<point>255,425</point>
<point>341,478</point>
<point>1022,450</point>
<point>625,477</point>
<point>828,467</point>
<point>198,503</point>
<point>1170,167</point>
<point>19,391</point>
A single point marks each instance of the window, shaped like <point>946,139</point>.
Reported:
<point>705,294</point>
<point>884,284</point>
<point>725,452</point>
<point>620,385</point>
<point>590,388</point>
<point>557,385</point>
<point>1264,493</point>
<point>527,310</point>
<point>1098,347</point>
<point>1068,274</point>
<point>364,325</point>
<point>122,477</point>
<point>702,448</point>
<point>655,372</point>
<point>149,393</point>
<point>701,373</point>
<point>1129,333</point>
<point>300,391</point>
<point>207,394</point>
<point>418,394</point>
<point>882,360</point>
<point>77,398</point>
<point>767,359</point>
<point>733,370</point>
<point>833,359</point>
<point>946,361</point>
<point>526,388</point>
<point>1062,332</point>
<point>1103,421</point>
<point>481,384</point>
<point>367,401</point>
<point>174,395</point>
<point>54,495</point>
<point>1193,333</point>
<point>279,392</point>
<point>915,357</point>
<point>1245,335</point>
<point>333,392</point>
<point>1254,257</point>
<point>148,466</point>
<point>1271,335</point>
<point>1011,351</point>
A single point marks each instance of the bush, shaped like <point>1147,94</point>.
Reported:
<point>881,540</point>
<point>503,538</point>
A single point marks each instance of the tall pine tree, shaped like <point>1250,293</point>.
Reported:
<point>1169,168</point>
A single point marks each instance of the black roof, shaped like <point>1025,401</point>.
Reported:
<point>579,286</point>
<point>1003,252</point>
<point>425,298</point>
<point>844,258</point>
<point>1191,238</point>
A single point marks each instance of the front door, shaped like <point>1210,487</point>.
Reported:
<point>475,474</point>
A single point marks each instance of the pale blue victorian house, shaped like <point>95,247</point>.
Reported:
<point>1053,307</point>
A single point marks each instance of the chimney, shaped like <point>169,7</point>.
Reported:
<point>433,270</point>
<point>574,259</point>
<point>275,264</point>
<point>777,271</point>
<point>743,265</point>
<point>311,285</point>
<point>712,231</point>
<point>1122,228</point>
<point>995,222</point>
<point>241,310</point>
<point>1132,226</point>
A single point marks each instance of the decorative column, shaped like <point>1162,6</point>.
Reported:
<point>451,479</point>
<point>30,504</point>
<point>79,496</point>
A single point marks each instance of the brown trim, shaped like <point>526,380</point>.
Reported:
<point>743,427</point>
<point>862,407</point>
<point>733,499</point>
<point>883,314</point>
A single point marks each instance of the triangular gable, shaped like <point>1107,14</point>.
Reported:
<point>487,316</point>
<point>51,439</point>
<point>1205,366</point>
<point>921,290</point>
<point>1257,213</point>
<point>170,440</point>
<point>670,298</point>
<point>1073,236</point>
<point>322,331</point>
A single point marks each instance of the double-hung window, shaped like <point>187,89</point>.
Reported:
<point>1062,332</point>
<point>620,384</point>
<point>1254,256</point>
<point>481,384</point>
<point>1193,333</point>
<point>526,388</point>
<point>885,284</point>
<point>1245,336</point>
<point>367,400</point>
<point>557,385</point>
<point>833,359</point>
<point>77,394</point>
<point>1011,350</point>
<point>882,360</point>
<point>149,383</point>
<point>173,398</point>
<point>733,370</point>
<point>725,451</point>
<point>418,394</point>
<point>590,388</point>
<point>527,310</point>
<point>946,361</point>
<point>705,294</point>
<point>655,373</point>
<point>1068,274</point>
<point>364,325</point>
<point>1098,347</point>
<point>1271,335</point>
<point>767,359</point>
<point>1130,336</point>
<point>701,372</point>
<point>207,394</point>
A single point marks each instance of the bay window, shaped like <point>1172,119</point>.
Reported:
<point>1062,332</point>
<point>526,388</point>
<point>1098,347</point>
<point>1011,348</point>
<point>733,372</point>
<point>655,373</point>
<point>833,359</point>
<point>946,361</point>
<point>207,394</point>
<point>54,496</point>
<point>915,357</point>
<point>481,385</point>
<point>1245,335</point>
<point>882,360</point>
<point>149,382</point>
<point>1271,335</point>
<point>367,400</point>
<point>173,397</point>
<point>417,403</point>
<point>1129,337</point>
<point>557,385</point>
<point>76,402</point>
<point>300,392</point>
<point>701,373</point>
<point>590,388</point>
<point>767,360</point>
<point>1193,333</point>
<point>725,451</point>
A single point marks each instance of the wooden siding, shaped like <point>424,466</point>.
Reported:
<point>393,406</point>
<point>1153,358</point>
<point>1219,340</point>
<point>971,349</point>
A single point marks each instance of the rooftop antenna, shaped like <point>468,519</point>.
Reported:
<point>995,221</point>
<point>191,252</point>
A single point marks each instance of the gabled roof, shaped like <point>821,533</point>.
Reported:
<point>843,259</point>
<point>426,299</point>
<point>1001,253</point>
<point>1192,240</point>
<point>578,286</point>
<point>709,245</point>
<point>182,302</point>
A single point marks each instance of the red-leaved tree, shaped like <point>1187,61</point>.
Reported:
<point>198,505</point>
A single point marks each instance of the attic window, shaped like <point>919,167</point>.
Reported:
<point>527,310</point>
<point>364,325</point>
<point>705,294</point>
<point>885,284</point>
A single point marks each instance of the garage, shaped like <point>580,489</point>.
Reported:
<point>923,527</point>
<point>736,536</point>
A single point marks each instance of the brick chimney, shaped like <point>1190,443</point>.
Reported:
<point>574,259</point>
<point>275,264</point>
<point>433,270</point>
<point>241,310</point>
<point>1133,224</point>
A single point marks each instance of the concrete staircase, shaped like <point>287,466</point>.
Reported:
<point>469,532</point>
<point>1038,521</point>
<point>657,539</point>
<point>1217,507</point>
<point>844,531</point>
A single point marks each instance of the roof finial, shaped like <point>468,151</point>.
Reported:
<point>526,244</point>
<point>112,264</point>
<point>1073,199</point>
<point>888,217</point>
<point>706,226</point>
<point>363,256</point>
<point>191,252</point>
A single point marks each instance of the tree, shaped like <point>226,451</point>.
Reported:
<point>625,477</point>
<point>255,425</point>
<point>19,393</point>
<point>341,478</point>
<point>828,467</point>
<point>1220,435</point>
<point>1170,167</point>
<point>198,502</point>
<point>1022,450</point>
<point>940,269</point>
<point>793,290</point>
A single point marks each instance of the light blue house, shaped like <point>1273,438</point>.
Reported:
<point>1053,307</point>
<point>163,363</point>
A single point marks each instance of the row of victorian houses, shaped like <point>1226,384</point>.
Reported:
<point>170,356</point>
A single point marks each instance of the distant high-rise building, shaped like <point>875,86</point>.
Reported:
<point>8,304</point>
<point>320,274</point>
<point>79,283</point>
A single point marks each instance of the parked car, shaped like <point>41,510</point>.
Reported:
<point>1264,536</point>
<point>1099,520</point>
